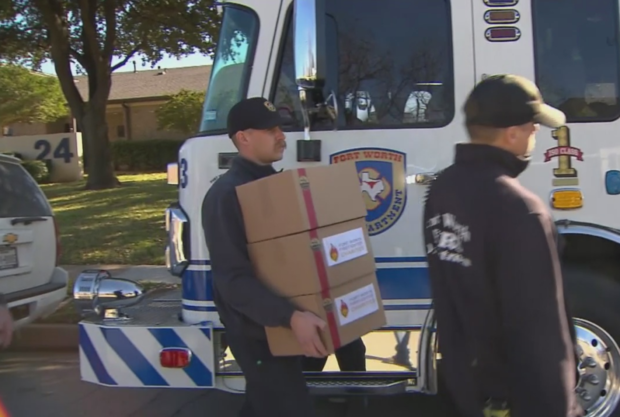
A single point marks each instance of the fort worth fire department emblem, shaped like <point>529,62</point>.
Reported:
<point>383,184</point>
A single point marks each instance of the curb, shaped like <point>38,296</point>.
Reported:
<point>46,337</point>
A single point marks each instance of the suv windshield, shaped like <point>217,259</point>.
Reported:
<point>231,67</point>
<point>20,196</point>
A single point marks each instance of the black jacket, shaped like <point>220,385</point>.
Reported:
<point>497,288</point>
<point>244,304</point>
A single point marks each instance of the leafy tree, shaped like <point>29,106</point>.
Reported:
<point>182,112</point>
<point>29,97</point>
<point>89,34</point>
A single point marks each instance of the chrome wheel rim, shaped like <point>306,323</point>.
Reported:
<point>598,368</point>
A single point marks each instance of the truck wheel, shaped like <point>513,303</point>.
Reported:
<point>594,302</point>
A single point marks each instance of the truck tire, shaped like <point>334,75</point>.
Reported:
<point>593,299</point>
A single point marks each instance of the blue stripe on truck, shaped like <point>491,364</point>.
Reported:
<point>404,283</point>
<point>93,358</point>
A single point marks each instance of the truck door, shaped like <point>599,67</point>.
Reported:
<point>570,49</point>
<point>400,72</point>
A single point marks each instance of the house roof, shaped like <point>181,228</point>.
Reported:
<point>152,83</point>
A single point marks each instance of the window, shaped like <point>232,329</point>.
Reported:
<point>231,67</point>
<point>389,63</point>
<point>576,61</point>
<point>21,196</point>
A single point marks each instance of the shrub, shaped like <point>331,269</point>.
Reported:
<point>38,169</point>
<point>147,155</point>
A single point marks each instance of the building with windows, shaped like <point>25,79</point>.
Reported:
<point>134,97</point>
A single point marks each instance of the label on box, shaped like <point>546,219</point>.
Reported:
<point>356,304</point>
<point>345,246</point>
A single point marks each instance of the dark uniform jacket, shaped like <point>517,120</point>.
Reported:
<point>497,288</point>
<point>244,304</point>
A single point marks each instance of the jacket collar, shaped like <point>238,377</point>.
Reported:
<point>490,155</point>
<point>255,170</point>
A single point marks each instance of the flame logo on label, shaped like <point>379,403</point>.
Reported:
<point>333,253</point>
<point>344,309</point>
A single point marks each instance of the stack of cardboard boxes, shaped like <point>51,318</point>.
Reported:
<point>308,241</point>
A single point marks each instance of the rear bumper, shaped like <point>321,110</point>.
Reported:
<point>34,303</point>
<point>129,356</point>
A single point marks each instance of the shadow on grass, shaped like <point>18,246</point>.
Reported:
<point>123,225</point>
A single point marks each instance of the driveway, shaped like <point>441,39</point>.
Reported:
<point>48,385</point>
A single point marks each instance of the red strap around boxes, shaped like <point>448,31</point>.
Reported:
<point>318,258</point>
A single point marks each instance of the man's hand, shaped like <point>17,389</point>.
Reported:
<point>6,327</point>
<point>306,327</point>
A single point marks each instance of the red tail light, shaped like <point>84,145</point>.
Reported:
<point>58,245</point>
<point>175,357</point>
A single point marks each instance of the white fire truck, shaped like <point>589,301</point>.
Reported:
<point>382,83</point>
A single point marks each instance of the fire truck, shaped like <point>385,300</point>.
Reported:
<point>383,84</point>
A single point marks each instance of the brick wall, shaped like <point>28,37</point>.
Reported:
<point>142,124</point>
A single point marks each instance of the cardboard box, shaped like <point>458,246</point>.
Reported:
<point>356,308</point>
<point>298,200</point>
<point>295,265</point>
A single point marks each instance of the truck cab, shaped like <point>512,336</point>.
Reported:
<point>382,84</point>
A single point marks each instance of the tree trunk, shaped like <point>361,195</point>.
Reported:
<point>97,148</point>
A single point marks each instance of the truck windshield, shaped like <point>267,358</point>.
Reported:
<point>230,73</point>
<point>577,57</point>
<point>389,63</point>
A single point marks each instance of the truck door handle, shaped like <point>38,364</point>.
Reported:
<point>224,159</point>
<point>424,178</point>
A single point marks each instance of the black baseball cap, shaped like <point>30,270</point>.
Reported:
<point>509,100</point>
<point>253,113</point>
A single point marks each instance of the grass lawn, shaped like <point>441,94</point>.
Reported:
<point>124,225</point>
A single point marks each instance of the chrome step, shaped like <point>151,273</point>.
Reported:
<point>356,387</point>
<point>343,383</point>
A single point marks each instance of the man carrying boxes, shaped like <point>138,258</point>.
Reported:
<point>293,270</point>
<point>307,238</point>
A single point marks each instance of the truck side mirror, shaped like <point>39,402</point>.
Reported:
<point>309,47</point>
<point>309,43</point>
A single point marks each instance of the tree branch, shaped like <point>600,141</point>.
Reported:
<point>78,57</point>
<point>127,58</point>
<point>89,28</point>
<point>89,57</point>
<point>109,7</point>
<point>53,14</point>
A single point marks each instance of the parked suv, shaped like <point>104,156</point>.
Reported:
<point>30,278</point>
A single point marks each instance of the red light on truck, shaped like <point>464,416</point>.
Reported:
<point>502,34</point>
<point>58,243</point>
<point>175,357</point>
